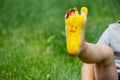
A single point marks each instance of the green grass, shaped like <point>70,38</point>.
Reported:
<point>32,38</point>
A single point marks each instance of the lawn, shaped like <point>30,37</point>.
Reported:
<point>32,37</point>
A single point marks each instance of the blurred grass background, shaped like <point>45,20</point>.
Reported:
<point>32,37</point>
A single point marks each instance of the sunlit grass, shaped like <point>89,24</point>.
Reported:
<point>32,38</point>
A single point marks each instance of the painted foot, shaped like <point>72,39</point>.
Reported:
<point>74,27</point>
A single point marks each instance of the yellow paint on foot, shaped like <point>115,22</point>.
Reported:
<point>84,9</point>
<point>74,27</point>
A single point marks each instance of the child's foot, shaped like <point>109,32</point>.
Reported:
<point>75,24</point>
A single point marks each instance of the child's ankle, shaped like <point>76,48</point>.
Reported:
<point>82,49</point>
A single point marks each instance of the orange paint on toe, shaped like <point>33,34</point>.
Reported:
<point>75,9</point>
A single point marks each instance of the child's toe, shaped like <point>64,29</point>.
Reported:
<point>71,12</point>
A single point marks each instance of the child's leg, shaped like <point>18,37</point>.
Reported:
<point>100,55</point>
<point>87,72</point>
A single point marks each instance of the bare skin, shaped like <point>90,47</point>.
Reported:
<point>101,66</point>
<point>87,72</point>
<point>98,59</point>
